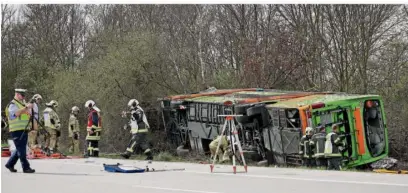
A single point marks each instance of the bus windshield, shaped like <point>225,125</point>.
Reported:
<point>374,127</point>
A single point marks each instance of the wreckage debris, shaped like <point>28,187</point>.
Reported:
<point>120,168</point>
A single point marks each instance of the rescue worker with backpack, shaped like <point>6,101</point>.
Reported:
<point>333,147</point>
<point>139,129</point>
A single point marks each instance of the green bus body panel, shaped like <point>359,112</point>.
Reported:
<point>350,102</point>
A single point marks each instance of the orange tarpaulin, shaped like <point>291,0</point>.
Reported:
<point>215,93</point>
<point>279,97</point>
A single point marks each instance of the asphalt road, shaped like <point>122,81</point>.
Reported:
<point>87,175</point>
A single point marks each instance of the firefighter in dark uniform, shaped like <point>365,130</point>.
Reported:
<point>318,143</point>
<point>305,150</point>
<point>333,147</point>
<point>139,129</point>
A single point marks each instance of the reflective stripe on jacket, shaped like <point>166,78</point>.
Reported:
<point>19,123</point>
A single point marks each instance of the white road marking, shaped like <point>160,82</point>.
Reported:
<point>255,176</point>
<point>172,189</point>
<point>300,179</point>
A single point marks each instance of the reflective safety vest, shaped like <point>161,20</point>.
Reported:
<point>331,146</point>
<point>305,148</point>
<point>19,123</point>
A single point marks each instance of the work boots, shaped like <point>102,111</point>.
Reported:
<point>149,157</point>
<point>126,155</point>
<point>29,170</point>
<point>11,169</point>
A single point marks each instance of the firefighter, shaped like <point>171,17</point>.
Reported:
<point>223,150</point>
<point>317,143</point>
<point>18,115</point>
<point>52,124</point>
<point>334,145</point>
<point>73,130</point>
<point>94,128</point>
<point>33,133</point>
<point>305,150</point>
<point>139,129</point>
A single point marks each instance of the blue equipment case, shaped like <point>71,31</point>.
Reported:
<point>116,168</point>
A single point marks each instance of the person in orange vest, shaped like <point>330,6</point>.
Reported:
<point>94,128</point>
<point>19,117</point>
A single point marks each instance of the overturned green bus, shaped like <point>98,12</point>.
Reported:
<point>273,122</point>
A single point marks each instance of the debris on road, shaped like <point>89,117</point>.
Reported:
<point>385,163</point>
<point>117,169</point>
<point>391,171</point>
<point>120,168</point>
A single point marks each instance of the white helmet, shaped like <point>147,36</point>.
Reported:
<point>133,103</point>
<point>75,109</point>
<point>309,130</point>
<point>52,103</point>
<point>90,103</point>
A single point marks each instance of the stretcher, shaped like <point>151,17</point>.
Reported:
<point>39,154</point>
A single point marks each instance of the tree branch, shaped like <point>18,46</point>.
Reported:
<point>123,92</point>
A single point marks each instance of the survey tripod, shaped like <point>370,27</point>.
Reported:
<point>232,130</point>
